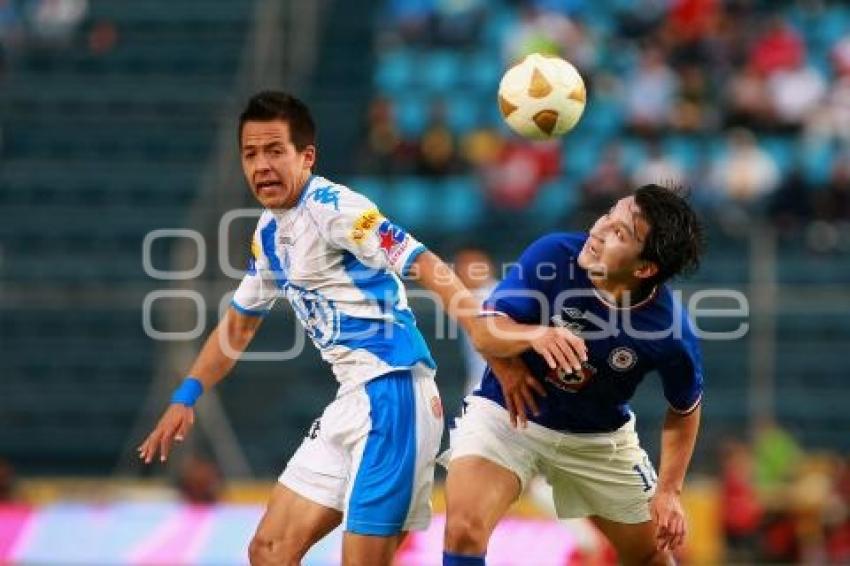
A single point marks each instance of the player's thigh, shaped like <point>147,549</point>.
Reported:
<point>635,543</point>
<point>368,550</point>
<point>478,493</point>
<point>289,527</point>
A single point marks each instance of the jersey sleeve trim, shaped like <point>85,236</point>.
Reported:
<point>246,311</point>
<point>690,409</point>
<point>492,312</point>
<point>417,251</point>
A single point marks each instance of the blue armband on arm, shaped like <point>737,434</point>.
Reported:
<point>188,392</point>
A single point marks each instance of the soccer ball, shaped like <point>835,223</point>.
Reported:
<point>542,97</point>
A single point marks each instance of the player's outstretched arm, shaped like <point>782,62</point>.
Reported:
<point>433,274</point>
<point>500,336</point>
<point>219,354</point>
<point>678,438</point>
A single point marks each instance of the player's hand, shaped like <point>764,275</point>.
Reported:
<point>173,426</point>
<point>518,387</point>
<point>560,348</point>
<point>669,518</point>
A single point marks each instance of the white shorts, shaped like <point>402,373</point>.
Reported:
<point>600,474</point>
<point>371,454</point>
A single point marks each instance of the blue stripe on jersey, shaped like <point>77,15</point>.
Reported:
<point>377,284</point>
<point>267,240</point>
<point>398,344</point>
<point>248,312</point>
<point>411,258</point>
<point>381,495</point>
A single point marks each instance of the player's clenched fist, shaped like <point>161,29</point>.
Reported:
<point>560,348</point>
<point>173,426</point>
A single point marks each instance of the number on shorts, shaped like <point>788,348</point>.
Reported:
<point>646,473</point>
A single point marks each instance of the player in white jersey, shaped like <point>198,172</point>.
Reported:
<point>369,460</point>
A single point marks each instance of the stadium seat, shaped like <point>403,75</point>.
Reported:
<point>372,187</point>
<point>412,202</point>
<point>439,71</point>
<point>395,71</point>
<point>462,112</point>
<point>412,113</point>
<point>460,204</point>
<point>482,72</point>
<point>555,201</point>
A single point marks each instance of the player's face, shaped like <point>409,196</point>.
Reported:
<point>616,240</point>
<point>276,171</point>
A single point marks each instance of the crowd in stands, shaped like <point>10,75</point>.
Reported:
<point>782,505</point>
<point>747,103</point>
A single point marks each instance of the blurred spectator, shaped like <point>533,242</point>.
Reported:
<point>437,153</point>
<point>640,18</point>
<point>694,108</point>
<point>833,203</point>
<point>11,30</point>
<point>841,56</point>
<point>659,169</point>
<point>745,173</point>
<point>7,482</point>
<point>651,91</point>
<point>779,47</point>
<point>741,509</point>
<point>411,18</point>
<point>475,270</point>
<point>102,38</point>
<point>458,22</point>
<point>200,481</point>
<point>790,206</point>
<point>379,154</point>
<point>747,97</point>
<point>690,24</point>
<point>513,180</point>
<point>831,120</point>
<point>794,93</point>
<point>56,20</point>
<point>607,183</point>
<point>553,33</point>
<point>777,456</point>
<point>482,147</point>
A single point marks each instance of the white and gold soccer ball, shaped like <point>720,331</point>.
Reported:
<point>542,97</point>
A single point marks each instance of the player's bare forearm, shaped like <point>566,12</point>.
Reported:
<point>223,347</point>
<point>678,438</point>
<point>433,274</point>
<point>501,337</point>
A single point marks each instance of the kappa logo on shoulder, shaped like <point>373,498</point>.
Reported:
<point>326,195</point>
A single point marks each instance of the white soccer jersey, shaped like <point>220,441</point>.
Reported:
<point>337,260</point>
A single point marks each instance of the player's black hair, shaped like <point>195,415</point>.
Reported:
<point>272,105</point>
<point>676,241</point>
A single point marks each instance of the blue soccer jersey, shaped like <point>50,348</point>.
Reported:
<point>548,287</point>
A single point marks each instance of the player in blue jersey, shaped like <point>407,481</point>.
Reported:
<point>368,462</point>
<point>574,327</point>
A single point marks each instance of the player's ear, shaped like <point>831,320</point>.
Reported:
<point>309,156</point>
<point>646,269</point>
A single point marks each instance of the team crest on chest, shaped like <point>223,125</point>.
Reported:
<point>622,359</point>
